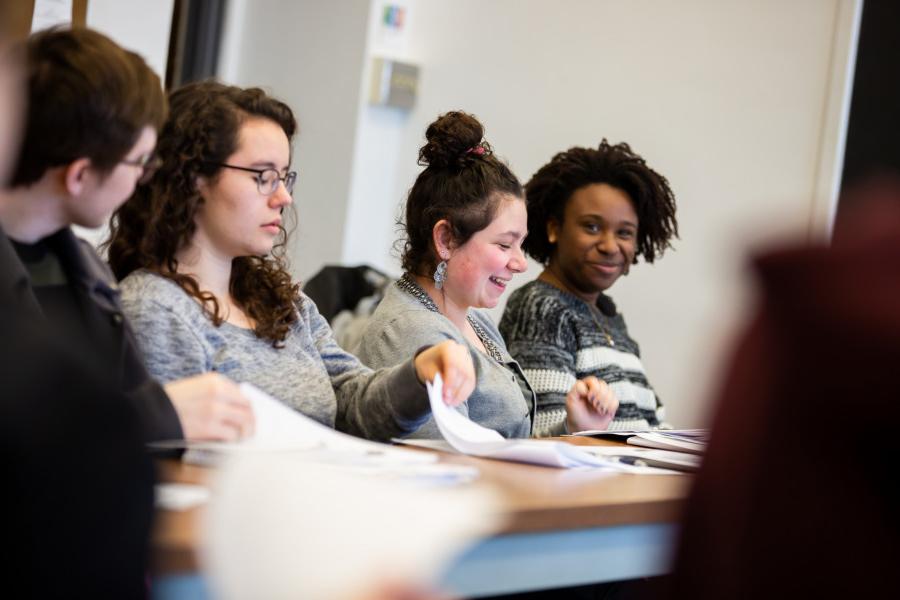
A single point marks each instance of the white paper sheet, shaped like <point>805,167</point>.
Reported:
<point>667,441</point>
<point>678,440</point>
<point>280,428</point>
<point>179,496</point>
<point>471,438</point>
<point>658,459</point>
<point>281,527</point>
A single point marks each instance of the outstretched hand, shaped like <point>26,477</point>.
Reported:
<point>211,407</point>
<point>453,361</point>
<point>590,404</point>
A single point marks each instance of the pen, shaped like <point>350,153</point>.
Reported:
<point>634,461</point>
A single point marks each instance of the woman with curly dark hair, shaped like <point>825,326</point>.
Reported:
<point>591,213</point>
<point>200,248</point>
<point>465,222</point>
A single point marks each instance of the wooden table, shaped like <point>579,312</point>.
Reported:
<point>565,527</point>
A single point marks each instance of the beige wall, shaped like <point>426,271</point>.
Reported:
<point>139,25</point>
<point>738,103</point>
<point>309,54</point>
<point>142,26</point>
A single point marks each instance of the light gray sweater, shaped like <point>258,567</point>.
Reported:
<point>310,372</point>
<point>502,400</point>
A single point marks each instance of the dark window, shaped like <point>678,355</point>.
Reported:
<point>195,41</point>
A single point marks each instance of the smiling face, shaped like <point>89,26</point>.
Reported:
<point>595,244</point>
<point>235,218</point>
<point>478,271</point>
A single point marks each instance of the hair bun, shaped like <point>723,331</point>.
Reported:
<point>452,140</point>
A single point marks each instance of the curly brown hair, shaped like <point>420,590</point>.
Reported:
<point>550,188</point>
<point>462,182</point>
<point>148,230</point>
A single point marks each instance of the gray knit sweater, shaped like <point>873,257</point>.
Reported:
<point>502,399</point>
<point>310,372</point>
<point>557,340</point>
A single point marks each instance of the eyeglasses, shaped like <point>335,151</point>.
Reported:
<point>267,179</point>
<point>148,163</point>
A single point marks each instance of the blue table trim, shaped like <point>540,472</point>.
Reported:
<point>533,561</point>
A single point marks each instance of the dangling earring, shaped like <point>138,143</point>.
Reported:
<point>440,273</point>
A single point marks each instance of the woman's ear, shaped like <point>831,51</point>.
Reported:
<point>552,230</point>
<point>442,237</point>
<point>75,176</point>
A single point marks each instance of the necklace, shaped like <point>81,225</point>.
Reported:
<point>411,287</point>
<point>594,313</point>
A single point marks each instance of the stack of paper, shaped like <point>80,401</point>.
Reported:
<point>676,440</point>
<point>663,459</point>
<point>470,438</point>
<point>278,527</point>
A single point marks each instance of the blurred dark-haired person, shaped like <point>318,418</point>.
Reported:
<point>78,486</point>
<point>200,254</point>
<point>93,113</point>
<point>465,223</point>
<point>592,212</point>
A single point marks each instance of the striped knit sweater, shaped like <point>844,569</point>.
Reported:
<point>556,339</point>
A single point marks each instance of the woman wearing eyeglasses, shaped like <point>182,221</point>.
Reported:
<point>200,253</point>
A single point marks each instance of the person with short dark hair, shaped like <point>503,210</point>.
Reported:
<point>465,223</point>
<point>90,100</point>
<point>592,212</point>
<point>78,486</point>
<point>200,251</point>
<point>93,112</point>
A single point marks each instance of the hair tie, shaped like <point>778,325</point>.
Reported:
<point>479,150</point>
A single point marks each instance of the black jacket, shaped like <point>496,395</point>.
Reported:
<point>77,482</point>
<point>96,288</point>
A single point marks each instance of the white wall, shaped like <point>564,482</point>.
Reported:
<point>139,25</point>
<point>309,54</point>
<point>731,100</point>
<point>740,104</point>
<point>382,151</point>
<point>737,103</point>
<point>142,26</point>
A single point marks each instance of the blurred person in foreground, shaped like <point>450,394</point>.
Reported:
<point>796,497</point>
<point>77,483</point>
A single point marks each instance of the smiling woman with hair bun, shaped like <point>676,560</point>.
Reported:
<point>465,224</point>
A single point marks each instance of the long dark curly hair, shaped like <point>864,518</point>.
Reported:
<point>617,165</point>
<point>148,230</point>
<point>461,182</point>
